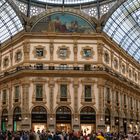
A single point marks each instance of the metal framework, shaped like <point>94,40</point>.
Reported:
<point>65,2</point>
<point>124,27</point>
<point>10,23</point>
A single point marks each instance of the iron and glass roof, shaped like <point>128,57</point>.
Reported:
<point>10,23</point>
<point>65,2</point>
<point>124,27</point>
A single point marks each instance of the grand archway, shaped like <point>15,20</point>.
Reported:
<point>107,120</point>
<point>17,119</point>
<point>4,120</point>
<point>39,118</point>
<point>63,119</point>
<point>88,119</point>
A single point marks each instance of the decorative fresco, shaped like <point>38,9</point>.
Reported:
<point>63,23</point>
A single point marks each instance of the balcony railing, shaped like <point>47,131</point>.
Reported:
<point>76,69</point>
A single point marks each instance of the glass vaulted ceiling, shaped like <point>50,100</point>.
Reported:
<point>9,21</point>
<point>66,1</point>
<point>124,27</point>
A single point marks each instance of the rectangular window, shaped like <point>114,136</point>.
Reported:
<point>18,56</point>
<point>4,97</point>
<point>124,100</point>
<point>39,92</point>
<point>63,92</point>
<point>117,98</point>
<point>87,53</point>
<point>17,93</point>
<point>131,103</point>
<point>63,52</point>
<point>108,95</point>
<point>39,52</point>
<point>88,97</point>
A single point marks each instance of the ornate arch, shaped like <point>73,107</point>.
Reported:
<point>90,20</point>
<point>63,110</point>
<point>87,106</point>
<point>88,110</point>
<point>47,110</point>
<point>64,106</point>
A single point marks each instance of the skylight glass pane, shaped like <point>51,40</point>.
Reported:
<point>65,1</point>
<point>126,29</point>
<point>9,21</point>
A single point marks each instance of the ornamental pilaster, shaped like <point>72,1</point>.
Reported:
<point>76,86</point>
<point>120,64</point>
<point>25,98</point>
<point>101,101</point>
<point>26,49</point>
<point>112,55</point>
<point>51,45</point>
<point>10,96</point>
<point>100,52</point>
<point>75,50</point>
<point>51,94</point>
<point>11,57</point>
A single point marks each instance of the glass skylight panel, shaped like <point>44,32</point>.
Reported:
<point>66,1</point>
<point>52,1</point>
<point>124,27</point>
<point>9,21</point>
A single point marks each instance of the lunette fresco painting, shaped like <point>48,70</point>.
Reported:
<point>63,23</point>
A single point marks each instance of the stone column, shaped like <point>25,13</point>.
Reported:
<point>112,54</point>
<point>26,114</point>
<point>10,111</point>
<point>11,57</point>
<point>51,50</point>
<point>51,116</point>
<point>100,52</point>
<point>75,50</point>
<point>100,121</point>
<point>76,120</point>
<point>26,49</point>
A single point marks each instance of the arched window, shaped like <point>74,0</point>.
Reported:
<point>39,114</point>
<point>63,110</point>
<point>106,57</point>
<point>87,115</point>
<point>107,116</point>
<point>63,115</point>
<point>4,120</point>
<point>123,68</point>
<point>115,63</point>
<point>17,114</point>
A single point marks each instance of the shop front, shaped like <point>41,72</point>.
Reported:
<point>63,119</point>
<point>125,125</point>
<point>87,120</point>
<point>107,120</point>
<point>17,119</point>
<point>39,118</point>
<point>4,120</point>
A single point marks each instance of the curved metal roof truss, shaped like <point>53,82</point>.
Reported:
<point>10,23</point>
<point>124,27</point>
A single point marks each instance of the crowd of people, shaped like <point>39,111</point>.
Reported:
<point>47,135</point>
